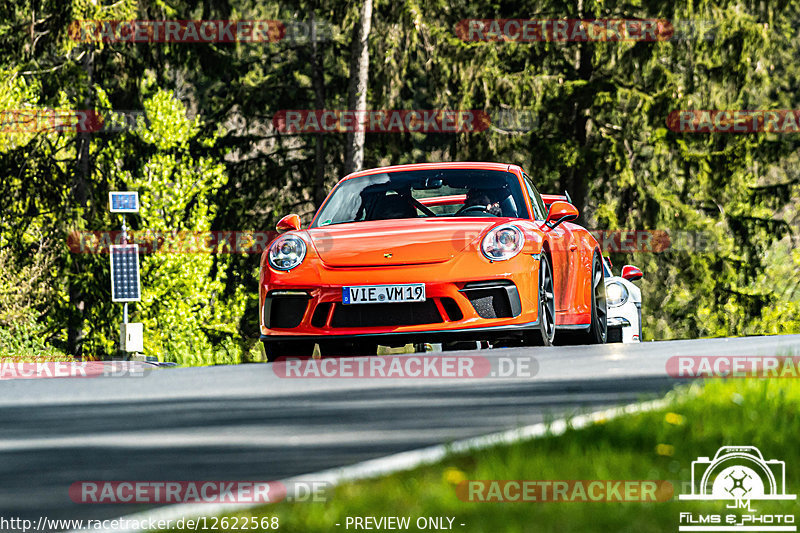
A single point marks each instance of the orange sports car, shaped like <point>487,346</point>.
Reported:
<point>435,252</point>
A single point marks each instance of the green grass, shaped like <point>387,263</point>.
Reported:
<point>657,445</point>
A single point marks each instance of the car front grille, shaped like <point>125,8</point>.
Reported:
<point>385,315</point>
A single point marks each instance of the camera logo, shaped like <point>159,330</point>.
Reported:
<point>738,473</point>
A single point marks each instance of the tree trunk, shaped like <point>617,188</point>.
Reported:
<point>357,89</point>
<point>318,80</point>
<point>575,181</point>
<point>77,304</point>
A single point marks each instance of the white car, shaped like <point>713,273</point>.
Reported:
<point>624,302</point>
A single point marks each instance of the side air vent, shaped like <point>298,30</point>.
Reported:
<point>285,309</point>
<point>494,298</point>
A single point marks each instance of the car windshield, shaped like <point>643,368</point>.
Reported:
<point>422,194</point>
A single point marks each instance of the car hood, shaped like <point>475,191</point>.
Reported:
<point>397,242</point>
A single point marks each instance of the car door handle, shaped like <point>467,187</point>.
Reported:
<point>573,247</point>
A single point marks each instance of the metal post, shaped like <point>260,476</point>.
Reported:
<point>124,241</point>
<point>131,334</point>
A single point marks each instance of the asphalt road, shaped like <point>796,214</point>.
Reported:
<point>245,422</point>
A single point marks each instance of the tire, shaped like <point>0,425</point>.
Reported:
<point>639,312</point>
<point>276,349</point>
<point>544,333</point>
<point>598,328</point>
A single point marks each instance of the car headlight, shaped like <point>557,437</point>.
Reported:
<point>502,243</point>
<point>287,252</point>
<point>616,294</point>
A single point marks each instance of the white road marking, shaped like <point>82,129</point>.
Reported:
<point>388,465</point>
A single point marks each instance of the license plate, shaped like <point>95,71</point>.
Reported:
<point>380,294</point>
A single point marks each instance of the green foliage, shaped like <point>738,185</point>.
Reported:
<point>780,282</point>
<point>184,318</point>
<point>25,341</point>
<point>208,158</point>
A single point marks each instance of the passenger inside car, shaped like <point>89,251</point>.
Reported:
<point>392,206</point>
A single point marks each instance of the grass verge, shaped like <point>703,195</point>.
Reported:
<point>657,445</point>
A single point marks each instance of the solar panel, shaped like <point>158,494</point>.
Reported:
<point>125,285</point>
<point>124,202</point>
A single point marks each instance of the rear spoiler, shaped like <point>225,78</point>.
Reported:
<point>548,199</point>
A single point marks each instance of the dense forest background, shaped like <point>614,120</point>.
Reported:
<point>586,117</point>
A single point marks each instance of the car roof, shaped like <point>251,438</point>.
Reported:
<point>423,166</point>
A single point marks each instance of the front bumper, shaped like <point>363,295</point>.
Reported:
<point>490,333</point>
<point>627,318</point>
<point>498,302</point>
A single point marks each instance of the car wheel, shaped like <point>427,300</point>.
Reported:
<point>275,349</point>
<point>598,329</point>
<point>545,333</point>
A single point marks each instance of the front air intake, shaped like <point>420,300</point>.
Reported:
<point>385,315</point>
<point>285,309</point>
<point>493,298</point>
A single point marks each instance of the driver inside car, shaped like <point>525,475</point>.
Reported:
<point>478,197</point>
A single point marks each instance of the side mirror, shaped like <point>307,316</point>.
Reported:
<point>560,212</point>
<point>288,223</point>
<point>631,273</point>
